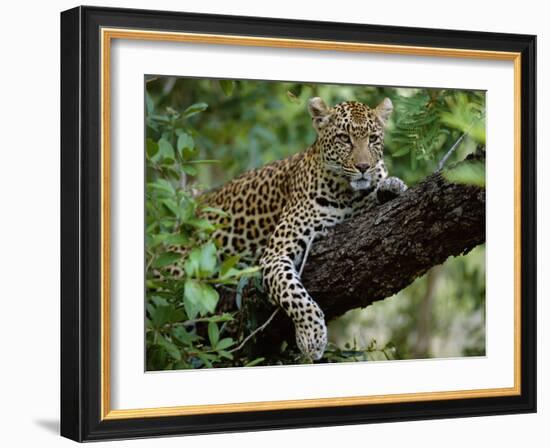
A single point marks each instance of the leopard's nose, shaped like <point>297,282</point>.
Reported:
<point>362,167</point>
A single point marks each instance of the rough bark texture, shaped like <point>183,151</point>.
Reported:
<point>375,255</point>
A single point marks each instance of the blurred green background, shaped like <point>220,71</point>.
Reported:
<point>238,125</point>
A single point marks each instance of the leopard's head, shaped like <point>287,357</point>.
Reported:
<point>350,136</point>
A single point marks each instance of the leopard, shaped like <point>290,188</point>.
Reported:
<point>274,213</point>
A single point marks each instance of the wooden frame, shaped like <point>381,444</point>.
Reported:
<point>86,34</point>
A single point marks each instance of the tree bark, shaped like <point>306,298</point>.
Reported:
<point>376,254</point>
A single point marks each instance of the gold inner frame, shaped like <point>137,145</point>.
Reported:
<point>107,35</point>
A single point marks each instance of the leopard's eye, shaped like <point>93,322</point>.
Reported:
<point>344,138</point>
<point>373,138</point>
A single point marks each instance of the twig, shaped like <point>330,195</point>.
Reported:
<point>256,331</point>
<point>268,321</point>
<point>448,154</point>
<point>154,78</point>
<point>306,253</point>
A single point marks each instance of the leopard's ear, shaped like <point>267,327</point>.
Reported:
<point>319,111</point>
<point>384,110</point>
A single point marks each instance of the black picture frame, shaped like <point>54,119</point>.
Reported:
<point>81,224</point>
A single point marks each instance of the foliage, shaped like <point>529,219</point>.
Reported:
<point>469,172</point>
<point>199,134</point>
<point>183,328</point>
<point>352,352</point>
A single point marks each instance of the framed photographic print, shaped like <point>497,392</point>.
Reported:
<point>275,224</point>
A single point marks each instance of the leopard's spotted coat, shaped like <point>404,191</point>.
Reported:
<point>276,211</point>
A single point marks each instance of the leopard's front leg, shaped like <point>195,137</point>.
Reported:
<point>281,278</point>
<point>389,188</point>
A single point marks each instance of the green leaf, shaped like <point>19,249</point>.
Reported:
<point>203,161</point>
<point>159,301</point>
<point>182,211</point>
<point>254,363</point>
<point>162,186</point>
<point>186,208</point>
<point>228,263</point>
<point>164,314</point>
<point>176,239</point>
<point>160,316</point>
<point>225,317</point>
<point>193,263</point>
<point>232,275</point>
<point>170,171</point>
<point>195,109</point>
<point>153,284</point>
<point>166,150</point>
<point>182,365</point>
<point>209,298</point>
<point>171,206</point>
<point>167,163</point>
<point>208,259</point>
<point>168,222</point>
<point>191,298</point>
<point>201,224</point>
<point>227,86</point>
<point>160,118</point>
<point>189,169</point>
<point>224,343</point>
<point>166,259</point>
<point>199,298</point>
<point>205,359</point>
<point>214,210</point>
<point>213,334</point>
<point>185,144</point>
<point>151,148</point>
<point>225,354</point>
<point>170,348</point>
<point>247,272</point>
<point>183,336</point>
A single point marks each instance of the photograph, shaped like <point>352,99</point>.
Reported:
<point>291,222</point>
<point>272,223</point>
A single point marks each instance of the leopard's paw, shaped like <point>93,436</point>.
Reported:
<point>311,338</point>
<point>390,188</point>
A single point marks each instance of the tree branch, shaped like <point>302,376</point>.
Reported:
<point>376,255</point>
